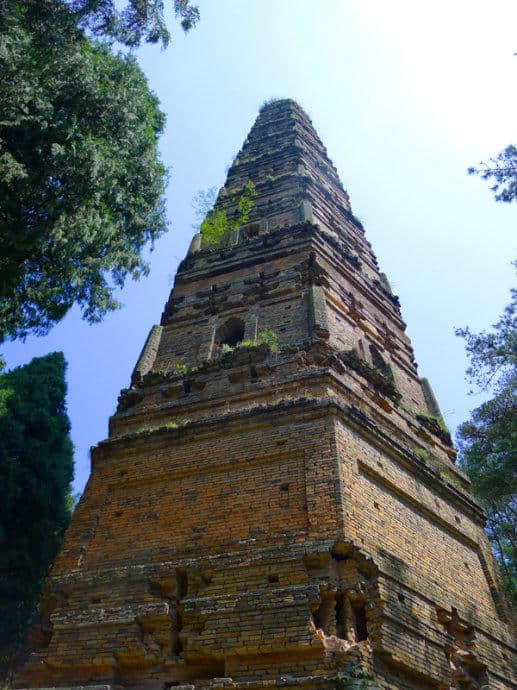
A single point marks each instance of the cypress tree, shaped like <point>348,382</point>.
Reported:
<point>36,469</point>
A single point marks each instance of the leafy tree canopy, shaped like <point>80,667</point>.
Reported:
<point>137,21</point>
<point>81,184</point>
<point>36,470</point>
<point>502,171</point>
<point>488,441</point>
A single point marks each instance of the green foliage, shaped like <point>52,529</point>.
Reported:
<point>5,394</point>
<point>502,170</point>
<point>71,501</point>
<point>384,384</point>
<point>266,336</point>
<point>493,355</point>
<point>132,22</point>
<point>488,446</point>
<point>269,337</point>
<point>488,440</point>
<point>215,226</point>
<point>422,453</point>
<point>36,469</point>
<point>81,184</point>
<point>270,101</point>
<point>216,223</point>
<point>180,368</point>
<point>246,202</point>
<point>435,425</point>
<point>439,465</point>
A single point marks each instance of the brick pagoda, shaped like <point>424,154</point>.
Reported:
<point>266,516</point>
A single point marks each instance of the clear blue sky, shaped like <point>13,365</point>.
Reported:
<point>405,95</point>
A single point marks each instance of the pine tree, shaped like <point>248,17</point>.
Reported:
<point>488,440</point>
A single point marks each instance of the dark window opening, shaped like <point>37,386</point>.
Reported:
<point>343,616</point>
<point>177,646</point>
<point>231,332</point>
<point>182,584</point>
<point>325,616</point>
<point>360,623</point>
<point>252,230</point>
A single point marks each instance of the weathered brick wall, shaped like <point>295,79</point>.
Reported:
<point>263,297</point>
<point>430,545</point>
<point>267,517</point>
<point>180,503</point>
<point>202,493</point>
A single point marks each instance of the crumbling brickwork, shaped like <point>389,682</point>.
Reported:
<point>265,516</point>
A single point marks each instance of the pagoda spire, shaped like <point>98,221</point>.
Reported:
<point>292,174</point>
